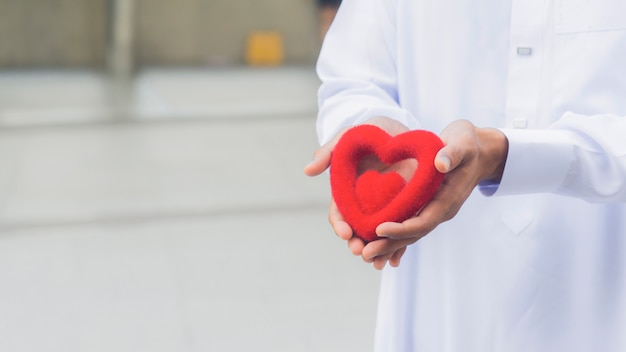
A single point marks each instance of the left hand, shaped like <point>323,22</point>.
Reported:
<point>321,161</point>
<point>470,155</point>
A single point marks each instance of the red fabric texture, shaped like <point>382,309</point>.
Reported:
<point>368,199</point>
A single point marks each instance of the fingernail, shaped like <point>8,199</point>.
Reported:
<point>444,161</point>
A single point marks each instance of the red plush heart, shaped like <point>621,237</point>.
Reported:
<point>366,200</point>
<point>374,189</point>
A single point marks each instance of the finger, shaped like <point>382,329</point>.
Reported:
<point>443,163</point>
<point>395,259</point>
<point>416,228</point>
<point>384,247</point>
<point>451,156</point>
<point>341,228</point>
<point>356,246</point>
<point>320,162</point>
<point>443,207</point>
<point>435,213</point>
<point>457,137</point>
<point>321,157</point>
<point>381,262</point>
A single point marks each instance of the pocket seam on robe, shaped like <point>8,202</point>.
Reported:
<point>584,16</point>
<point>519,213</point>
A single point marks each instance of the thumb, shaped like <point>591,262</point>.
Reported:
<point>445,161</point>
<point>321,157</point>
<point>320,162</point>
<point>458,137</point>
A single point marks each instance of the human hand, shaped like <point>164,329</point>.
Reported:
<point>321,161</point>
<point>470,155</point>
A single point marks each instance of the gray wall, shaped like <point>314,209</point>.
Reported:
<point>52,32</point>
<point>201,31</point>
<point>61,33</point>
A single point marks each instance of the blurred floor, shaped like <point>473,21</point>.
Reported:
<point>176,218</point>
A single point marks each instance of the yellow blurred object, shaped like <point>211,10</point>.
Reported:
<point>265,48</point>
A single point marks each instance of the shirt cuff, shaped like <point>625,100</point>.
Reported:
<point>537,162</point>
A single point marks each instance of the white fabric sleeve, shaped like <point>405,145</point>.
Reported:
<point>579,156</point>
<point>357,68</point>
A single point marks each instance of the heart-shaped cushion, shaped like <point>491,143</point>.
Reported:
<point>370,198</point>
<point>374,190</point>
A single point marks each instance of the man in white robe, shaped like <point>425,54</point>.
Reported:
<point>524,246</point>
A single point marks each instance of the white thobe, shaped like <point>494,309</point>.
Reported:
<point>541,264</point>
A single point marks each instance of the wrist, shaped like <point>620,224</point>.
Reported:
<point>494,148</point>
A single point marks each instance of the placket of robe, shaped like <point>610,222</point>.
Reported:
<point>526,51</point>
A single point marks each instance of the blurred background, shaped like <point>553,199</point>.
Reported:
<point>151,187</point>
